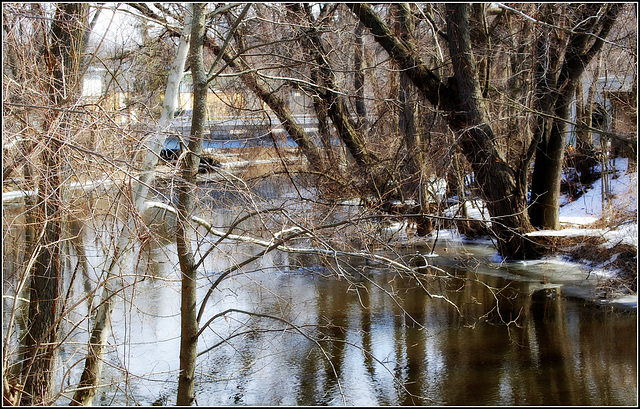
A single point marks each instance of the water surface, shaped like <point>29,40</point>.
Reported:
<point>344,330</point>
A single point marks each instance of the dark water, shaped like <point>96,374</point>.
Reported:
<point>381,341</point>
<point>351,331</point>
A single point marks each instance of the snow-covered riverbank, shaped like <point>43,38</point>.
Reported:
<point>616,224</point>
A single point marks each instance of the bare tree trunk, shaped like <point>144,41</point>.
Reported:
<point>324,132</point>
<point>358,76</point>
<point>186,192</point>
<point>345,127</point>
<point>92,372</point>
<point>408,124</point>
<point>62,55</point>
<point>46,281</point>
<point>547,171</point>
<point>497,180</point>
<point>582,45</point>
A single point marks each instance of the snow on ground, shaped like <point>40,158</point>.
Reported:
<point>617,224</point>
<point>588,208</point>
<point>577,217</point>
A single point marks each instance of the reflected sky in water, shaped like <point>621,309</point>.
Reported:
<point>378,339</point>
<point>361,335</point>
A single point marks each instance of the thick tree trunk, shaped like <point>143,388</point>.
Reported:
<point>62,55</point>
<point>497,181</point>
<point>46,281</point>
<point>186,188</point>
<point>595,22</point>
<point>92,372</point>
<point>547,65</point>
<point>547,171</point>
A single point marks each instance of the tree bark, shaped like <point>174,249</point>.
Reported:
<point>461,103</point>
<point>324,131</point>
<point>62,56</point>
<point>186,188</point>
<point>497,180</point>
<point>594,23</point>
<point>548,169</point>
<point>46,281</point>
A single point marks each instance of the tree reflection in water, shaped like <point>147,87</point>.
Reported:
<point>371,336</point>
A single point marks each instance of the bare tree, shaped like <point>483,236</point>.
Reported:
<point>502,186</point>
<point>101,327</point>
<point>402,118</point>
<point>467,117</point>
<point>556,83</point>
<point>186,191</point>
<point>186,187</point>
<point>62,52</point>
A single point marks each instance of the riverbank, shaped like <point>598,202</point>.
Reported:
<point>602,236</point>
<point>612,254</point>
<point>601,239</point>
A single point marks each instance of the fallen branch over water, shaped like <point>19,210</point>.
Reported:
<point>278,242</point>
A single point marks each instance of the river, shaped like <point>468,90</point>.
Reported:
<point>344,330</point>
